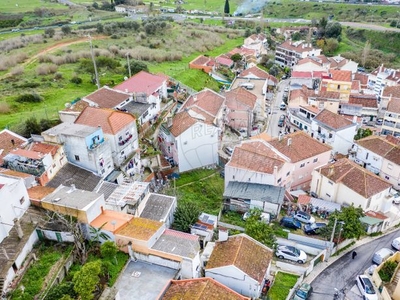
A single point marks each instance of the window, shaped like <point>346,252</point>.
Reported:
<point>330,135</point>
<point>279,180</point>
<point>328,195</point>
<point>120,138</point>
<point>77,157</point>
<point>366,156</point>
<point>287,174</point>
<point>127,132</point>
<point>387,177</point>
<point>302,165</point>
<point>330,182</point>
<point>315,160</point>
<point>22,200</point>
<point>338,87</point>
<point>233,176</point>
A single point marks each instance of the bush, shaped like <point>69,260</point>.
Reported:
<point>58,291</point>
<point>387,271</point>
<point>29,98</point>
<point>76,80</point>
<point>18,70</point>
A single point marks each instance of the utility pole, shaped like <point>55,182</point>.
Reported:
<point>129,64</point>
<point>94,62</point>
<point>333,231</point>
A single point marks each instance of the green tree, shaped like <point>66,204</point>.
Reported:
<point>108,249</point>
<point>31,126</point>
<point>87,279</point>
<point>274,70</point>
<point>351,227</point>
<point>362,133</point>
<point>259,230</point>
<point>236,57</point>
<point>330,46</point>
<point>226,7</point>
<point>136,67</point>
<point>333,30</point>
<point>66,29</point>
<point>97,234</point>
<point>63,289</point>
<point>49,32</point>
<point>185,216</point>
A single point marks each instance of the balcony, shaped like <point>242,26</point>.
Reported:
<point>125,141</point>
<point>96,144</point>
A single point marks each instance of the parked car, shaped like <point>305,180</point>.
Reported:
<point>290,222</point>
<point>396,198</point>
<point>396,243</point>
<point>366,288</point>
<point>303,292</point>
<point>304,217</point>
<point>379,121</point>
<point>381,255</point>
<point>291,253</point>
<point>229,151</point>
<point>281,121</point>
<point>282,106</point>
<point>313,228</point>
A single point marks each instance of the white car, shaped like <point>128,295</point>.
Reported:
<point>291,253</point>
<point>396,198</point>
<point>366,288</point>
<point>396,243</point>
<point>304,217</point>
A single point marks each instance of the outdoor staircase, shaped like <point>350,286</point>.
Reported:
<point>396,278</point>
<point>1,285</point>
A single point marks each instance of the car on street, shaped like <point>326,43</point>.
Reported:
<point>366,288</point>
<point>303,292</point>
<point>396,243</point>
<point>229,151</point>
<point>304,217</point>
<point>396,198</point>
<point>313,228</point>
<point>290,222</point>
<point>291,253</point>
<point>282,106</point>
<point>281,121</point>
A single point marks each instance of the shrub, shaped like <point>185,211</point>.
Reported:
<point>76,80</point>
<point>29,98</point>
<point>46,69</point>
<point>18,70</point>
<point>58,76</point>
<point>387,271</point>
<point>4,108</point>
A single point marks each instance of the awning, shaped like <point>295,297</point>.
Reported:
<point>321,204</point>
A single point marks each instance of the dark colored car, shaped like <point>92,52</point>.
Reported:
<point>313,228</point>
<point>281,121</point>
<point>303,292</point>
<point>290,222</point>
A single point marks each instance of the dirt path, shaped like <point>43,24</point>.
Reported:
<point>52,48</point>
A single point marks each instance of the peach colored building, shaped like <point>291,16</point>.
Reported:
<point>203,63</point>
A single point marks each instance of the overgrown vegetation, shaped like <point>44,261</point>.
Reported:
<point>387,271</point>
<point>283,282</point>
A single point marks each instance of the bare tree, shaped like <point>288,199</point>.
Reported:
<point>365,52</point>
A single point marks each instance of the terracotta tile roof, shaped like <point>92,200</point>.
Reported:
<point>340,75</point>
<point>327,95</point>
<point>107,98</point>
<point>363,78</point>
<point>224,60</point>
<point>111,220</point>
<point>14,173</point>
<point>181,122</point>
<point>303,199</point>
<point>243,252</point>
<point>311,108</point>
<point>240,95</point>
<point>111,121</point>
<point>376,215</point>
<point>77,107</point>
<point>44,148</point>
<point>296,46</point>
<point>394,106</point>
<point>140,228</point>
<point>27,153</point>
<point>332,120</point>
<point>243,51</point>
<point>262,136</point>
<point>394,76</point>
<point>364,100</point>
<point>39,192</point>
<point>256,156</point>
<point>355,177</point>
<point>255,72</point>
<point>301,147</point>
<point>391,91</point>
<point>6,144</point>
<point>199,289</point>
<point>308,60</point>
<point>207,100</point>
<point>355,85</point>
<point>376,144</point>
<point>142,82</point>
<point>301,74</point>
<point>201,60</point>
<point>323,59</point>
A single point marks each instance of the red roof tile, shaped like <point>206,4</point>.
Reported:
<point>391,91</point>
<point>224,60</point>
<point>355,177</point>
<point>303,199</point>
<point>206,100</point>
<point>255,72</point>
<point>364,100</point>
<point>394,106</point>
<point>181,122</point>
<point>301,146</point>
<point>6,141</point>
<point>107,98</point>
<point>201,60</point>
<point>332,120</point>
<point>340,75</point>
<point>44,148</point>
<point>27,153</point>
<point>241,95</point>
<point>363,78</point>
<point>243,252</point>
<point>111,121</point>
<point>142,82</point>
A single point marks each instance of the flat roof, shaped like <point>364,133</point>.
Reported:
<point>140,228</point>
<point>71,197</point>
<point>255,191</point>
<point>111,220</point>
<point>157,207</point>
<point>178,243</point>
<point>141,280</point>
<point>71,129</point>
<point>258,85</point>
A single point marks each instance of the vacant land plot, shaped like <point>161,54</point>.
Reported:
<point>18,6</point>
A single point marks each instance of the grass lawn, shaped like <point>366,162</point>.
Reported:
<point>19,6</point>
<point>283,282</point>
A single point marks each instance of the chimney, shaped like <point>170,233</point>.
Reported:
<point>354,119</point>
<point>18,228</point>
<point>331,171</point>
<point>13,142</point>
<point>275,171</point>
<point>169,122</point>
<point>222,235</point>
<point>289,141</point>
<point>195,98</point>
<point>280,137</point>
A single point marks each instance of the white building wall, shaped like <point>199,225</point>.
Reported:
<point>190,268</point>
<point>93,210</point>
<point>236,280</point>
<point>343,140</point>
<point>15,201</point>
<point>122,152</point>
<point>368,159</point>
<point>197,147</point>
<point>391,172</point>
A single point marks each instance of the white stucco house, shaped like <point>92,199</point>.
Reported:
<point>256,161</point>
<point>346,183</point>
<point>119,130</point>
<point>191,138</point>
<point>241,263</point>
<point>379,155</point>
<point>334,130</point>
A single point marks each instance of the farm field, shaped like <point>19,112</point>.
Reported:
<point>19,6</point>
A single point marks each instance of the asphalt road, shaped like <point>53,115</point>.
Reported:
<point>342,273</point>
<point>273,129</point>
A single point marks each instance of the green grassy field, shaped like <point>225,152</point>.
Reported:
<point>19,6</point>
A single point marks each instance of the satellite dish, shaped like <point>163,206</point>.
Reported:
<point>125,78</point>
